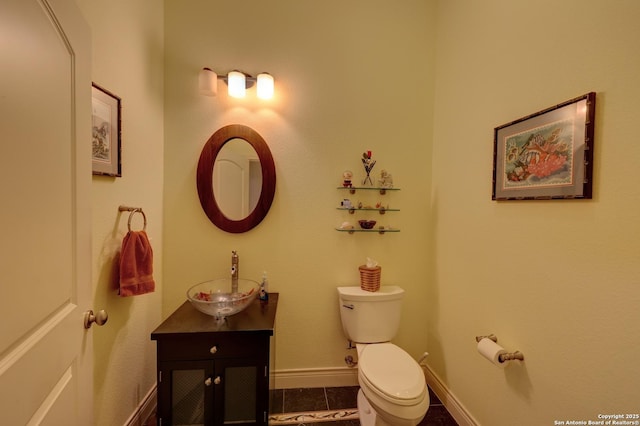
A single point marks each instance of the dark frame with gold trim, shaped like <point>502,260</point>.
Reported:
<point>106,138</point>
<point>546,155</point>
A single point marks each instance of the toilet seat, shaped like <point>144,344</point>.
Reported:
<point>391,373</point>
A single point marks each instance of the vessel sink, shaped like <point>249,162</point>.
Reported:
<point>215,298</point>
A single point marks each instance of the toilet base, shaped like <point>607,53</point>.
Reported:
<point>366,412</point>
<point>369,416</point>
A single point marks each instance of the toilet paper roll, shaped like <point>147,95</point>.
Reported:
<point>492,351</point>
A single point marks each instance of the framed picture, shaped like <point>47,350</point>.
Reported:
<point>105,126</point>
<point>546,155</point>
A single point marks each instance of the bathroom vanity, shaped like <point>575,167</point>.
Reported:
<point>215,372</point>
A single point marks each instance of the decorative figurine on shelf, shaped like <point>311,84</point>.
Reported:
<point>368,166</point>
<point>386,180</point>
<point>381,207</point>
<point>346,225</point>
<point>346,203</point>
<point>346,178</point>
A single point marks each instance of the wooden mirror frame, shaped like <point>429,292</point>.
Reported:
<point>204,178</point>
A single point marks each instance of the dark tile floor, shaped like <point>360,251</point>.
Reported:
<point>318,399</point>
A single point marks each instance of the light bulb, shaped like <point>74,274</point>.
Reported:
<point>265,86</point>
<point>208,82</point>
<point>237,84</point>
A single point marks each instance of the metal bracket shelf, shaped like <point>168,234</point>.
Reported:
<point>381,210</point>
<point>379,231</point>
<point>353,189</point>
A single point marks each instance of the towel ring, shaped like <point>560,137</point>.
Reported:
<point>144,227</point>
<point>133,211</point>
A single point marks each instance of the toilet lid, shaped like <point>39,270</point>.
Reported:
<point>391,371</point>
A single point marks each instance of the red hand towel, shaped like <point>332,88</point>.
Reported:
<point>136,265</point>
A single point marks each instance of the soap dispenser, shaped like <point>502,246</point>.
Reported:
<point>235,271</point>
<point>264,288</point>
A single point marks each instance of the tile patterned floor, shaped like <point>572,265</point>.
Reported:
<point>335,406</point>
<point>330,407</point>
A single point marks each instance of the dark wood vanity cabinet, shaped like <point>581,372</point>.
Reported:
<point>215,373</point>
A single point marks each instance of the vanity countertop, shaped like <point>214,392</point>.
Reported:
<point>187,320</point>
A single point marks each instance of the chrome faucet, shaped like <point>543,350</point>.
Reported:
<point>234,271</point>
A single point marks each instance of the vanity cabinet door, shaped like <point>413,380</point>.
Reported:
<point>185,393</point>
<point>242,395</point>
<point>227,391</point>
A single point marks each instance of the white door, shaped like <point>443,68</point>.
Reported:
<point>45,218</point>
<point>231,183</point>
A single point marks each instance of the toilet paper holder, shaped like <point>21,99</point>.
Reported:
<point>509,356</point>
<point>490,336</point>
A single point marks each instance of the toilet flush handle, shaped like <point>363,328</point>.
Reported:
<point>349,307</point>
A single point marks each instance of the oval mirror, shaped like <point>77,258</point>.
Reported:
<point>236,178</point>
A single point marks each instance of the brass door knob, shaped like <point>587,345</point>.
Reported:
<point>100,318</point>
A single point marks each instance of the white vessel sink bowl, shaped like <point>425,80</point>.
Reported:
<point>216,299</point>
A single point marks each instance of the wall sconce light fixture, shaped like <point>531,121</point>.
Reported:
<point>237,82</point>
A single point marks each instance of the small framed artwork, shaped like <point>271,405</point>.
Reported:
<point>105,129</point>
<point>546,155</point>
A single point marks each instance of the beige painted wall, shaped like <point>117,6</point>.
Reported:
<point>350,76</point>
<point>127,39</point>
<point>557,280</point>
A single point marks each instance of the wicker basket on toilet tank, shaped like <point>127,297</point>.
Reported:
<point>370,278</point>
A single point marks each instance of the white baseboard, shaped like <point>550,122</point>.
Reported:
<point>145,409</point>
<point>314,378</point>
<point>454,407</point>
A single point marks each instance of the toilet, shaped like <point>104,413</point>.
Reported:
<point>393,390</point>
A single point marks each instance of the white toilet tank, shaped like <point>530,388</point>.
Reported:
<point>370,317</point>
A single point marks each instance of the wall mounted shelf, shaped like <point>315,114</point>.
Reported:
<point>353,189</point>
<point>381,229</point>
<point>381,210</point>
